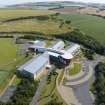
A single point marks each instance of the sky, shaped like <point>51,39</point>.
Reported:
<point>9,2</point>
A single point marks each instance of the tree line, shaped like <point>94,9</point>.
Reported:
<point>24,93</point>
<point>81,38</point>
<point>99,84</point>
<point>41,18</point>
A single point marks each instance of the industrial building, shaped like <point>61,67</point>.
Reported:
<point>37,65</point>
<point>34,67</point>
<point>55,54</point>
<point>58,45</point>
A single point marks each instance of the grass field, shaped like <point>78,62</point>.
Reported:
<point>8,60</point>
<point>32,25</point>
<point>91,25</point>
<point>7,51</point>
<point>76,69</point>
<point>14,13</point>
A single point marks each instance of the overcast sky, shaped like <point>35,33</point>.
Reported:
<point>8,2</point>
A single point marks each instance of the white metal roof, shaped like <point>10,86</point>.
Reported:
<point>67,56</point>
<point>58,45</point>
<point>53,54</point>
<point>73,48</point>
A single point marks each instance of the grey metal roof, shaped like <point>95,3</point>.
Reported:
<point>35,64</point>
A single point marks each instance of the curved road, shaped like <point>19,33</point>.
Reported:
<point>82,91</point>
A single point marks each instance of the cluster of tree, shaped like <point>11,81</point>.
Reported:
<point>81,38</point>
<point>50,76</point>
<point>56,8</point>
<point>41,18</point>
<point>24,93</point>
<point>54,102</point>
<point>54,16</point>
<point>6,36</point>
<point>68,22</point>
<point>89,54</point>
<point>99,84</point>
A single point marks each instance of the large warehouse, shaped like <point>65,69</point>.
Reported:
<point>34,67</point>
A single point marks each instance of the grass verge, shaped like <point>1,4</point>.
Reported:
<point>75,70</point>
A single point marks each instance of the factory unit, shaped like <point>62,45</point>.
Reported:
<point>34,67</point>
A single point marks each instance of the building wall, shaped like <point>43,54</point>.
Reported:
<point>41,71</point>
<point>36,74</point>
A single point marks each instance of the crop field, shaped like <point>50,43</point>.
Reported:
<point>91,25</point>
<point>8,60</point>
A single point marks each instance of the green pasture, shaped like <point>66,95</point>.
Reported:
<point>6,14</point>
<point>8,60</point>
<point>91,25</point>
<point>33,25</point>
